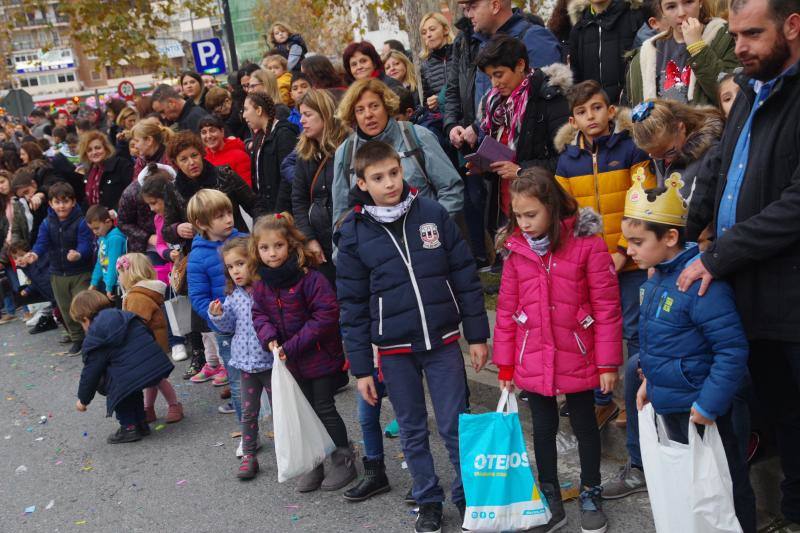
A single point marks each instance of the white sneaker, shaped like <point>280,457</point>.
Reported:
<point>179,353</point>
<point>35,318</point>
<point>240,450</point>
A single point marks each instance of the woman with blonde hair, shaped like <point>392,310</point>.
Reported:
<point>151,139</point>
<point>437,49</point>
<point>264,82</point>
<point>107,174</point>
<point>311,189</point>
<point>399,67</point>
<point>126,120</point>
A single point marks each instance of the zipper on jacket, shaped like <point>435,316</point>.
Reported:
<point>600,51</point>
<point>581,346</point>
<point>661,303</point>
<point>452,294</point>
<point>411,275</point>
<point>524,343</point>
<point>596,172</point>
<point>380,315</point>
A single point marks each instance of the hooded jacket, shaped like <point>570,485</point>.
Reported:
<point>247,353</point>
<point>717,56</point>
<point>598,42</point>
<point>557,331</point>
<point>443,182</point>
<point>205,272</point>
<point>109,248</point>
<point>145,300</point>
<point>234,154</point>
<point>267,153</point>
<point>57,237</point>
<point>692,349</point>
<point>600,175</point>
<point>304,319</point>
<point>119,346</point>
<point>405,293</point>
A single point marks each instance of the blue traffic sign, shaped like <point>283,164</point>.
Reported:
<point>208,56</point>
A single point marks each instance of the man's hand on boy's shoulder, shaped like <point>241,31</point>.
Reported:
<point>694,271</point>
<point>478,353</point>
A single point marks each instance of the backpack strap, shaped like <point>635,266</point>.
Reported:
<point>414,149</point>
<point>320,168</point>
<point>350,160</point>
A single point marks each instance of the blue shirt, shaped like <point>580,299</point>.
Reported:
<point>726,216</point>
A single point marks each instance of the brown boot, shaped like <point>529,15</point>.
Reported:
<point>225,393</point>
<point>622,419</point>
<point>175,413</point>
<point>150,414</point>
<point>605,413</point>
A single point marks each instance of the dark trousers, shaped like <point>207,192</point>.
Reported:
<point>775,371</point>
<point>443,369</point>
<point>253,384</point>
<point>475,213</point>
<point>130,410</point>
<point>319,393</point>
<point>744,501</point>
<point>544,410</point>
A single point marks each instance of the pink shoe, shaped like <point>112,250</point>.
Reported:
<point>206,373</point>
<point>221,379</point>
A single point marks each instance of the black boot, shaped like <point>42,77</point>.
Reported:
<point>124,434</point>
<point>198,356</point>
<point>373,483</point>
<point>559,518</point>
<point>143,428</point>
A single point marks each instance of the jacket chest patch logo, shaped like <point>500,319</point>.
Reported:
<point>429,234</point>
<point>614,164</point>
<point>641,295</point>
<point>667,307</point>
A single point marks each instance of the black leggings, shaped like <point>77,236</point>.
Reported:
<point>319,393</point>
<point>544,410</point>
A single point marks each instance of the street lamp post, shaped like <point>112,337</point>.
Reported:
<point>226,14</point>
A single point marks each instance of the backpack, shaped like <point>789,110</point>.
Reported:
<point>413,149</point>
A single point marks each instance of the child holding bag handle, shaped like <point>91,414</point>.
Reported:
<point>295,311</point>
<point>559,329</point>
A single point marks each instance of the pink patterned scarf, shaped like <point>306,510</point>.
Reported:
<point>506,112</point>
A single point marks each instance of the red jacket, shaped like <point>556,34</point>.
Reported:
<point>234,155</point>
<point>557,332</point>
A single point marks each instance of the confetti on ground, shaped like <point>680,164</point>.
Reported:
<point>30,510</point>
<point>236,434</point>
<point>43,420</point>
<point>218,444</point>
<point>85,434</point>
<point>570,494</point>
<point>7,437</point>
<point>295,518</point>
<point>50,505</point>
<point>39,439</point>
<point>295,507</point>
<point>59,462</point>
<point>404,465</point>
<point>181,483</point>
<point>160,427</point>
<point>20,469</point>
<point>80,522</point>
<point>87,468</point>
<point>9,398</point>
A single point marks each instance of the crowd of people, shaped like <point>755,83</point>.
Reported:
<point>337,217</point>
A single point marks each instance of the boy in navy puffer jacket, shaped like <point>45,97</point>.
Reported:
<point>693,350</point>
<point>405,281</point>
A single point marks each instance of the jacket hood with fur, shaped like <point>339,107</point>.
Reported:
<point>559,75</point>
<point>568,134</point>
<point>576,8</point>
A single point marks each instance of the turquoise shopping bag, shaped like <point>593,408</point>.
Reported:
<point>498,482</point>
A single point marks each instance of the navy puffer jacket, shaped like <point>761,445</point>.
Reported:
<point>119,346</point>
<point>405,293</point>
<point>692,349</point>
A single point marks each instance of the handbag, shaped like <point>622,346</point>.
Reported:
<point>177,278</point>
<point>179,315</point>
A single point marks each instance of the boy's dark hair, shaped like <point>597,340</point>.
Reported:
<point>59,133</point>
<point>406,100</point>
<point>502,51</point>
<point>584,91</point>
<point>18,247</point>
<point>23,177</point>
<point>656,227</point>
<point>61,190</point>
<point>297,76</point>
<point>97,213</point>
<point>373,152</point>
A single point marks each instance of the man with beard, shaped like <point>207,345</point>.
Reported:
<point>751,197</point>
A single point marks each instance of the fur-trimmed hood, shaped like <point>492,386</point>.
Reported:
<point>576,8</point>
<point>568,134</point>
<point>585,224</point>
<point>559,76</point>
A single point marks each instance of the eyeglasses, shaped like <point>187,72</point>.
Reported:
<point>252,85</point>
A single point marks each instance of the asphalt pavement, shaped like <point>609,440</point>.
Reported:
<point>58,473</point>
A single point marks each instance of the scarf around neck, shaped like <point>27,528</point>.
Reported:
<point>539,246</point>
<point>507,113</point>
<point>387,215</point>
<point>283,277</point>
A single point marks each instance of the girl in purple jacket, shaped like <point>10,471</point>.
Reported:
<point>295,311</point>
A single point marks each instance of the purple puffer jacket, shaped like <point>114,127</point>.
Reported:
<point>304,319</point>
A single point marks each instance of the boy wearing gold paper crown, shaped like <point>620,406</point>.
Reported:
<point>693,351</point>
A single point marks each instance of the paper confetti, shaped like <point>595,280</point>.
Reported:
<point>20,469</point>
<point>181,483</point>
<point>50,505</point>
<point>404,465</point>
<point>80,522</point>
<point>39,439</point>
<point>160,427</point>
<point>31,509</point>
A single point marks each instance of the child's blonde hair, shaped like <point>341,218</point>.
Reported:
<point>282,25</point>
<point>87,304</point>
<point>283,223</point>
<point>133,268</point>
<point>664,119</point>
<point>240,245</point>
<point>205,206</point>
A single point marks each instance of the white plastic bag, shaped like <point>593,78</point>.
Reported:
<point>689,484</point>
<point>301,441</point>
<point>179,314</point>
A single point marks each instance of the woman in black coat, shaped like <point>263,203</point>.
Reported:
<point>437,50</point>
<point>105,174</point>
<point>312,206</point>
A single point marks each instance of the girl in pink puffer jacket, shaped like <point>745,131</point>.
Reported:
<point>559,327</point>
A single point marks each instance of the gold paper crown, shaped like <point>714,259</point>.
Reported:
<point>668,208</point>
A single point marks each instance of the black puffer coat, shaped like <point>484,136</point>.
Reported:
<point>312,205</point>
<point>434,70</point>
<point>459,107</point>
<point>268,152</point>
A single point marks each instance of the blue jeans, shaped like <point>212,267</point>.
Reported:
<point>629,284</point>
<point>369,417</point>
<point>632,384</point>
<point>234,374</point>
<point>474,212</point>
<point>443,368</point>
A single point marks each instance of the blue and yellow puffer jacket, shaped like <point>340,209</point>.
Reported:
<point>692,349</point>
<point>599,176</point>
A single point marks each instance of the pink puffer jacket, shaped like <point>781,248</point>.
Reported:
<point>557,332</point>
